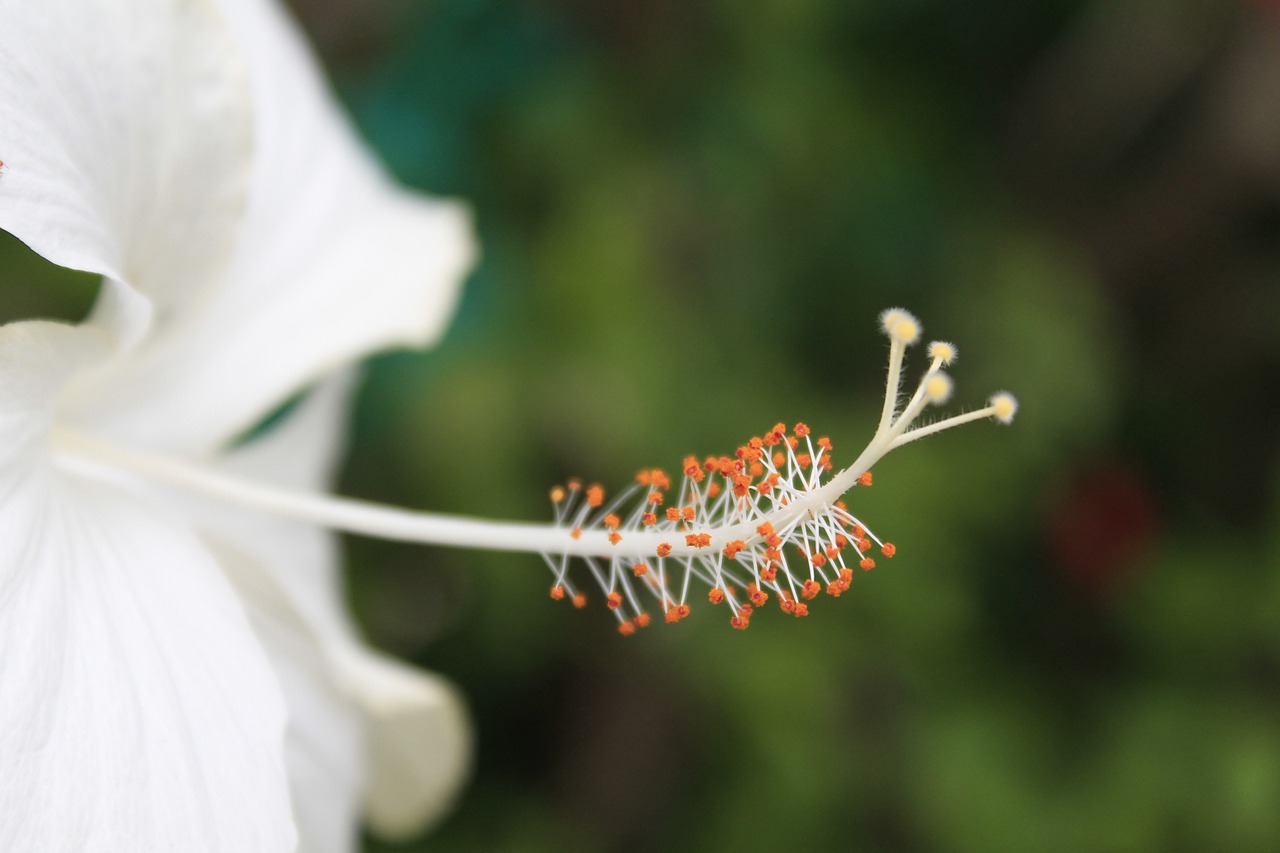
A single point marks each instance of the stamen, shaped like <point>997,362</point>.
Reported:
<point>766,521</point>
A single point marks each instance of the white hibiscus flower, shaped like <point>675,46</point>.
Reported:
<point>175,676</point>
<point>176,668</point>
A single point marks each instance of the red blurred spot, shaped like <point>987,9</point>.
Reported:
<point>1101,526</point>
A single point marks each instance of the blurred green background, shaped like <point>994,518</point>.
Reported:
<point>691,214</point>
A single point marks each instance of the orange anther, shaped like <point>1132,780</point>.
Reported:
<point>575,533</point>
<point>648,519</point>
<point>716,595</point>
<point>779,459</point>
<point>740,622</point>
<point>731,550</point>
<point>810,589</point>
<point>611,521</point>
<point>642,621</point>
<point>557,494</point>
<point>888,549</point>
<point>579,601</point>
<point>698,540</point>
<point>643,478</point>
<point>846,578</point>
<point>824,443</point>
<point>693,470</point>
<point>557,592</point>
<point>595,495</point>
<point>688,513</point>
<point>765,529</point>
<point>792,442</point>
<point>574,484</point>
<point>801,609</point>
<point>614,601</point>
<point>640,569</point>
<point>741,485</point>
<point>615,537</point>
<point>834,589</point>
<point>758,596</point>
<point>713,489</point>
<point>801,430</point>
<point>803,460</point>
<point>833,551</point>
<point>825,463</point>
<point>756,470</point>
<point>673,513</point>
<point>819,559</point>
<point>626,629</point>
<point>664,549</point>
<point>675,614</point>
<point>867,564</point>
<point>655,498</point>
<point>711,463</point>
<point>858,534</point>
<point>865,479</point>
<point>659,479</point>
<point>768,574</point>
<point>787,605</point>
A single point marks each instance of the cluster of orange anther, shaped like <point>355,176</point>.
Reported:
<point>627,627</point>
<point>764,476</point>
<point>676,613</point>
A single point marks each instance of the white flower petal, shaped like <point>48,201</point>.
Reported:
<point>126,141</point>
<point>137,711</point>
<point>334,262</point>
<point>324,742</point>
<point>415,727</point>
<point>419,743</point>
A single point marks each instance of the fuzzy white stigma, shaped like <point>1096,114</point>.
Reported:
<point>937,388</point>
<point>942,352</point>
<point>1003,407</point>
